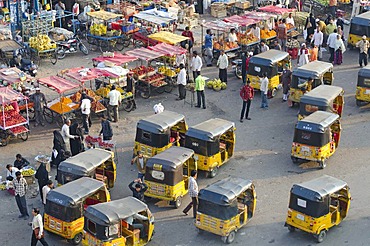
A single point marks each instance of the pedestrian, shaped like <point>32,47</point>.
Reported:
<point>303,55</point>
<point>232,36</point>
<point>310,26</point>
<point>114,101</point>
<point>339,50</point>
<point>255,31</point>
<point>37,228</point>
<point>66,134</point>
<point>11,172</point>
<point>193,193</point>
<point>199,87</point>
<point>130,87</point>
<point>196,64</point>
<point>46,189</point>
<point>140,161</point>
<point>333,7</point>
<point>190,41</point>
<point>286,79</point>
<point>290,19</point>
<point>181,82</point>
<point>327,20</point>
<point>364,46</point>
<point>314,53</point>
<point>138,189</point>
<point>247,94</point>
<point>85,110</point>
<point>263,46</point>
<point>341,33</point>
<point>39,102</point>
<point>59,149</point>
<point>317,39</point>
<point>208,46</point>
<point>282,34</point>
<point>106,129</point>
<point>180,59</point>
<point>222,64</point>
<point>76,143</point>
<point>277,46</point>
<point>340,23</point>
<point>21,186</point>
<point>331,44</point>
<point>264,81</point>
<point>20,162</point>
<point>42,176</point>
<point>158,108</point>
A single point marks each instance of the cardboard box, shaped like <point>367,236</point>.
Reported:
<point>30,179</point>
<point>243,5</point>
<point>218,10</point>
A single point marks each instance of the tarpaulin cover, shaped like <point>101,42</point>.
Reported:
<point>75,74</point>
<point>7,95</point>
<point>275,9</point>
<point>219,25</point>
<point>167,49</point>
<point>103,15</point>
<point>241,20</point>
<point>168,37</point>
<point>144,54</point>
<point>156,17</point>
<point>58,84</point>
<point>259,15</point>
<point>118,59</point>
<point>11,75</point>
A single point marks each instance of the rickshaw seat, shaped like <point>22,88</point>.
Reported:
<point>89,202</point>
<point>222,146</point>
<point>101,177</point>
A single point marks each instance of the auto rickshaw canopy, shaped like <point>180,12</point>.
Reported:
<point>269,58</point>
<point>315,69</point>
<point>70,194</point>
<point>362,19</point>
<point>317,122</point>
<point>171,158</point>
<point>109,213</point>
<point>225,191</point>
<point>160,123</point>
<point>209,130</point>
<point>322,95</point>
<point>315,190</point>
<point>85,162</point>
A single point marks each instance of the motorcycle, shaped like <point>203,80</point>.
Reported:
<point>237,67</point>
<point>71,46</point>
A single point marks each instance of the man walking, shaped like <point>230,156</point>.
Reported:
<point>20,186</point>
<point>199,87</point>
<point>286,78</point>
<point>196,64</point>
<point>85,110</point>
<point>193,193</point>
<point>114,101</point>
<point>39,101</point>
<point>331,44</point>
<point>65,133</point>
<point>282,33</point>
<point>247,94</point>
<point>317,39</point>
<point>222,64</point>
<point>106,129</point>
<point>37,228</point>
<point>264,89</point>
<point>181,82</point>
<point>140,161</point>
<point>364,46</point>
<point>46,189</point>
<point>208,46</point>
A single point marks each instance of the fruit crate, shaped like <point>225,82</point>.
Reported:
<point>218,10</point>
<point>243,5</point>
<point>147,75</point>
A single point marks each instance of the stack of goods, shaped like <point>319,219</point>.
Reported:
<point>266,34</point>
<point>289,26</point>
<point>293,33</point>
<point>143,71</point>
<point>156,80</point>
<point>190,87</point>
<point>219,45</point>
<point>28,171</point>
<point>98,140</point>
<point>42,42</point>
<point>5,33</point>
<point>65,105</point>
<point>247,39</point>
<point>168,71</point>
<point>96,105</point>
<point>216,85</point>
<point>98,29</point>
<point>218,10</point>
<point>11,117</point>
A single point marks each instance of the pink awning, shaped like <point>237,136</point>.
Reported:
<point>275,9</point>
<point>58,84</point>
<point>11,75</point>
<point>241,20</point>
<point>167,49</point>
<point>220,25</point>
<point>74,74</point>
<point>8,95</point>
<point>144,54</point>
<point>118,59</point>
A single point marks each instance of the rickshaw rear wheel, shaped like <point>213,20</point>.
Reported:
<point>295,160</point>
<point>291,228</point>
<point>358,103</point>
<point>322,164</point>
<point>178,202</point>
<point>77,239</point>
<point>321,236</point>
<point>200,231</point>
<point>230,238</point>
<point>213,173</point>
<point>273,93</point>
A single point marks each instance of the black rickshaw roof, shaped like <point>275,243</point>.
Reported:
<point>362,19</point>
<point>364,72</point>
<point>71,193</point>
<point>322,95</point>
<point>210,129</point>
<point>269,58</point>
<point>316,189</point>
<point>158,123</point>
<point>85,162</point>
<point>313,69</point>
<point>108,213</point>
<point>224,191</point>
<point>317,122</point>
<point>171,158</point>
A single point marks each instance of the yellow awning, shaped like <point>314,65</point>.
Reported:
<point>168,37</point>
<point>103,15</point>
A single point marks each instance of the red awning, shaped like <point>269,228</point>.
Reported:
<point>144,54</point>
<point>8,95</point>
<point>11,75</point>
<point>167,49</point>
<point>274,9</point>
<point>75,74</point>
<point>58,84</point>
<point>241,20</point>
<point>118,59</point>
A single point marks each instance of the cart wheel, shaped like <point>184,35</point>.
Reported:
<point>61,53</point>
<point>120,44</point>
<point>139,44</point>
<point>77,239</point>
<point>83,49</point>
<point>230,238</point>
<point>178,202</point>
<point>4,142</point>
<point>322,164</point>
<point>31,114</point>
<point>91,40</point>
<point>104,46</point>
<point>48,115</point>
<point>358,103</point>
<point>321,236</point>
<point>213,173</point>
<point>144,94</point>
<point>53,58</point>
<point>291,228</point>
<point>127,105</point>
<point>24,136</point>
<point>238,72</point>
<point>272,93</point>
<point>295,160</point>
<point>160,89</point>
<point>168,88</point>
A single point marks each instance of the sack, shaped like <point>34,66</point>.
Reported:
<point>37,230</point>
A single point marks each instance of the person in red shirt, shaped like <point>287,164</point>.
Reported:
<point>247,94</point>
<point>189,34</point>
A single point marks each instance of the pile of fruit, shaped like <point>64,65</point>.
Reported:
<point>11,118</point>
<point>158,83</point>
<point>289,26</point>
<point>168,71</point>
<point>154,77</point>
<point>97,107</point>
<point>216,85</point>
<point>28,171</point>
<point>170,59</point>
<point>293,33</point>
<point>126,95</point>
<point>190,86</point>
<point>62,106</point>
<point>244,40</point>
<point>98,29</point>
<point>18,129</point>
<point>219,45</point>
<point>266,34</point>
<point>142,70</point>
<point>42,42</point>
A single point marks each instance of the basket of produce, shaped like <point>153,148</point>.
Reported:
<point>28,171</point>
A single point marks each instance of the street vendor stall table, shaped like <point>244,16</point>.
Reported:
<point>14,77</point>
<point>7,49</point>
<point>168,37</point>
<point>152,17</point>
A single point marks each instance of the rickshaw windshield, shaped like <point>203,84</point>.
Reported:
<point>298,82</point>
<point>258,70</point>
<point>307,109</point>
<point>359,30</point>
<point>67,214</point>
<point>311,138</point>
<point>202,147</point>
<point>218,211</point>
<point>363,82</point>
<point>152,139</point>
<point>101,232</point>
<point>164,177</point>
<point>308,207</point>
<point>64,177</point>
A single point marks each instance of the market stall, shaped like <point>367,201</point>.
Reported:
<point>12,124</point>
<point>7,49</point>
<point>42,47</point>
<point>168,37</point>
<point>14,77</point>
<point>281,13</point>
<point>157,19</point>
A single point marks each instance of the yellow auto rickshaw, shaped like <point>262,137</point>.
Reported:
<point>213,142</point>
<point>317,205</point>
<point>363,86</point>
<point>324,97</point>
<point>358,28</point>
<point>159,132</point>
<point>320,72</point>
<point>65,207</point>
<point>316,137</point>
<point>270,62</point>
<point>108,224</point>
<point>226,206</point>
<point>167,174</point>
<point>94,163</point>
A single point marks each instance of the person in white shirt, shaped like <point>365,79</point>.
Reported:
<point>193,193</point>
<point>289,19</point>
<point>255,30</point>
<point>232,36</point>
<point>158,108</point>
<point>317,40</point>
<point>181,81</point>
<point>37,228</point>
<point>222,64</point>
<point>10,172</point>
<point>332,39</point>
<point>180,59</point>
<point>114,101</point>
<point>264,46</point>
<point>85,110</point>
<point>196,64</point>
<point>65,132</point>
<point>264,90</point>
<point>46,189</point>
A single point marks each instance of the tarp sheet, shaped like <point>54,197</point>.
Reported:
<point>241,20</point>
<point>156,17</point>
<point>8,95</point>
<point>103,15</point>
<point>220,25</point>
<point>168,37</point>
<point>58,84</point>
<point>167,49</point>
<point>275,9</point>
<point>11,75</point>
<point>144,54</point>
<point>75,73</point>
<point>118,59</point>
<point>259,15</point>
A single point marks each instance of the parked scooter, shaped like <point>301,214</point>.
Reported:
<point>71,46</point>
<point>237,68</point>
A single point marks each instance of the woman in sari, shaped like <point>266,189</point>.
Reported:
<point>339,50</point>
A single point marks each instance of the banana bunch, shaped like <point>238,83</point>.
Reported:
<point>28,172</point>
<point>42,42</point>
<point>2,187</point>
<point>126,94</point>
<point>102,91</point>
<point>98,29</point>
<point>167,71</point>
<point>216,85</point>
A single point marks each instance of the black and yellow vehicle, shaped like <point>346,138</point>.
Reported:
<point>317,205</point>
<point>106,224</point>
<point>270,62</point>
<point>213,142</point>
<point>316,137</point>
<point>167,174</point>
<point>320,72</point>
<point>328,98</point>
<point>158,132</point>
<point>358,28</point>
<point>363,86</point>
<point>94,163</point>
<point>65,207</point>
<point>226,206</point>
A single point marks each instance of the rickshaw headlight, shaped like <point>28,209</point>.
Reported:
<point>289,213</point>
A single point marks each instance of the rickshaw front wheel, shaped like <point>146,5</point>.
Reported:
<point>272,93</point>
<point>321,236</point>
<point>213,173</point>
<point>295,160</point>
<point>178,202</point>
<point>322,164</point>
<point>230,238</point>
<point>291,228</point>
<point>77,239</point>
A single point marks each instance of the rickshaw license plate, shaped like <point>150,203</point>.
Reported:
<point>300,216</point>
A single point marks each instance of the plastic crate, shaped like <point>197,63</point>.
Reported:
<point>128,28</point>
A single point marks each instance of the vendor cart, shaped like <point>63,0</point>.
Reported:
<point>7,50</point>
<point>38,55</point>
<point>141,39</point>
<point>12,124</point>
<point>13,77</point>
